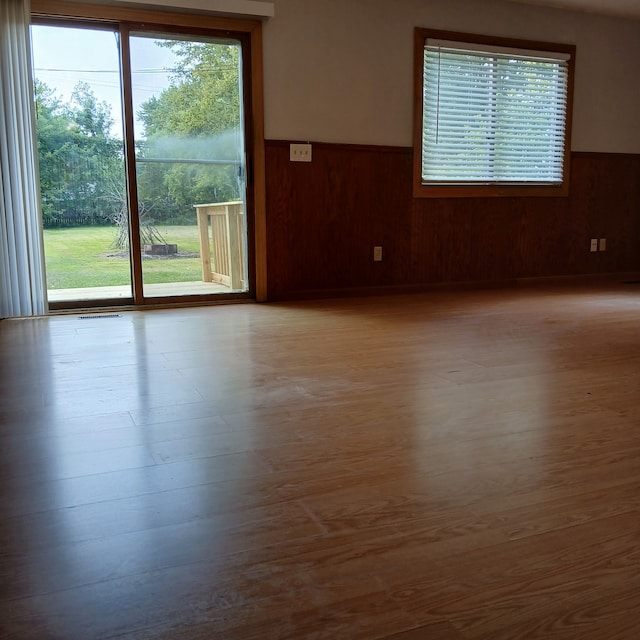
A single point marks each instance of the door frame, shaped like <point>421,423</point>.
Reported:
<point>251,30</point>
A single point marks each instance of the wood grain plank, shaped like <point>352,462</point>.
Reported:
<point>326,217</point>
<point>447,465</point>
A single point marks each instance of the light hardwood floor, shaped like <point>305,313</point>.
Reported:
<point>427,467</point>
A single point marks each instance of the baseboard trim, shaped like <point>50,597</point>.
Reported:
<point>581,280</point>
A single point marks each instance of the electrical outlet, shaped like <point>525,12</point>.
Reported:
<point>603,244</point>
<point>300,153</point>
<point>377,254</point>
<point>594,244</point>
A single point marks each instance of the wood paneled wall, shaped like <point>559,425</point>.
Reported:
<point>324,217</point>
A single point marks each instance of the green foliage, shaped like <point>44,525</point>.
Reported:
<point>189,152</point>
<point>80,161</point>
<point>192,146</point>
<point>204,96</point>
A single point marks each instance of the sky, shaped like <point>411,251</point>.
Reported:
<point>62,57</point>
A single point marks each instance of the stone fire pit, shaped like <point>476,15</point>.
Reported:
<point>160,249</point>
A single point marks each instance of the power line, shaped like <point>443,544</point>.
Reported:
<point>162,70</point>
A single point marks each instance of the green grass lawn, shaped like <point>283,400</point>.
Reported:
<point>85,257</point>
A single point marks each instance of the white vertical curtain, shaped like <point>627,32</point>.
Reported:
<point>22,280</point>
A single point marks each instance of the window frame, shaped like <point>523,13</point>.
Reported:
<point>246,29</point>
<point>422,190</point>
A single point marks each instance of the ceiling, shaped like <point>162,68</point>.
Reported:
<point>623,8</point>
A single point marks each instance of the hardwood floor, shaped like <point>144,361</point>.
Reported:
<point>442,467</point>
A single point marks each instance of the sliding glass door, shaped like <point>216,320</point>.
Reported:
<point>141,139</point>
<point>81,157</point>
<point>189,156</point>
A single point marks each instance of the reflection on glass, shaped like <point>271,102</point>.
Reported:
<point>189,155</point>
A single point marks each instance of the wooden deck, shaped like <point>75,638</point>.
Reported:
<point>150,290</point>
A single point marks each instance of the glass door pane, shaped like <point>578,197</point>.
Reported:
<point>189,143</point>
<point>81,158</point>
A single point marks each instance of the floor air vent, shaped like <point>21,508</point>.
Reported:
<point>101,315</point>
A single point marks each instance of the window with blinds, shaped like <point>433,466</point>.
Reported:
<point>493,115</point>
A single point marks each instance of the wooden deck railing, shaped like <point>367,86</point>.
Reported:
<point>222,252</point>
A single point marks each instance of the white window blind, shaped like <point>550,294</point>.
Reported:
<point>493,115</point>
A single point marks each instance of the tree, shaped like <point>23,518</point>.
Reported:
<point>80,160</point>
<point>192,133</point>
<point>189,153</point>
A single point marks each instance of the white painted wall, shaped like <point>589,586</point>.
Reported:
<point>341,70</point>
